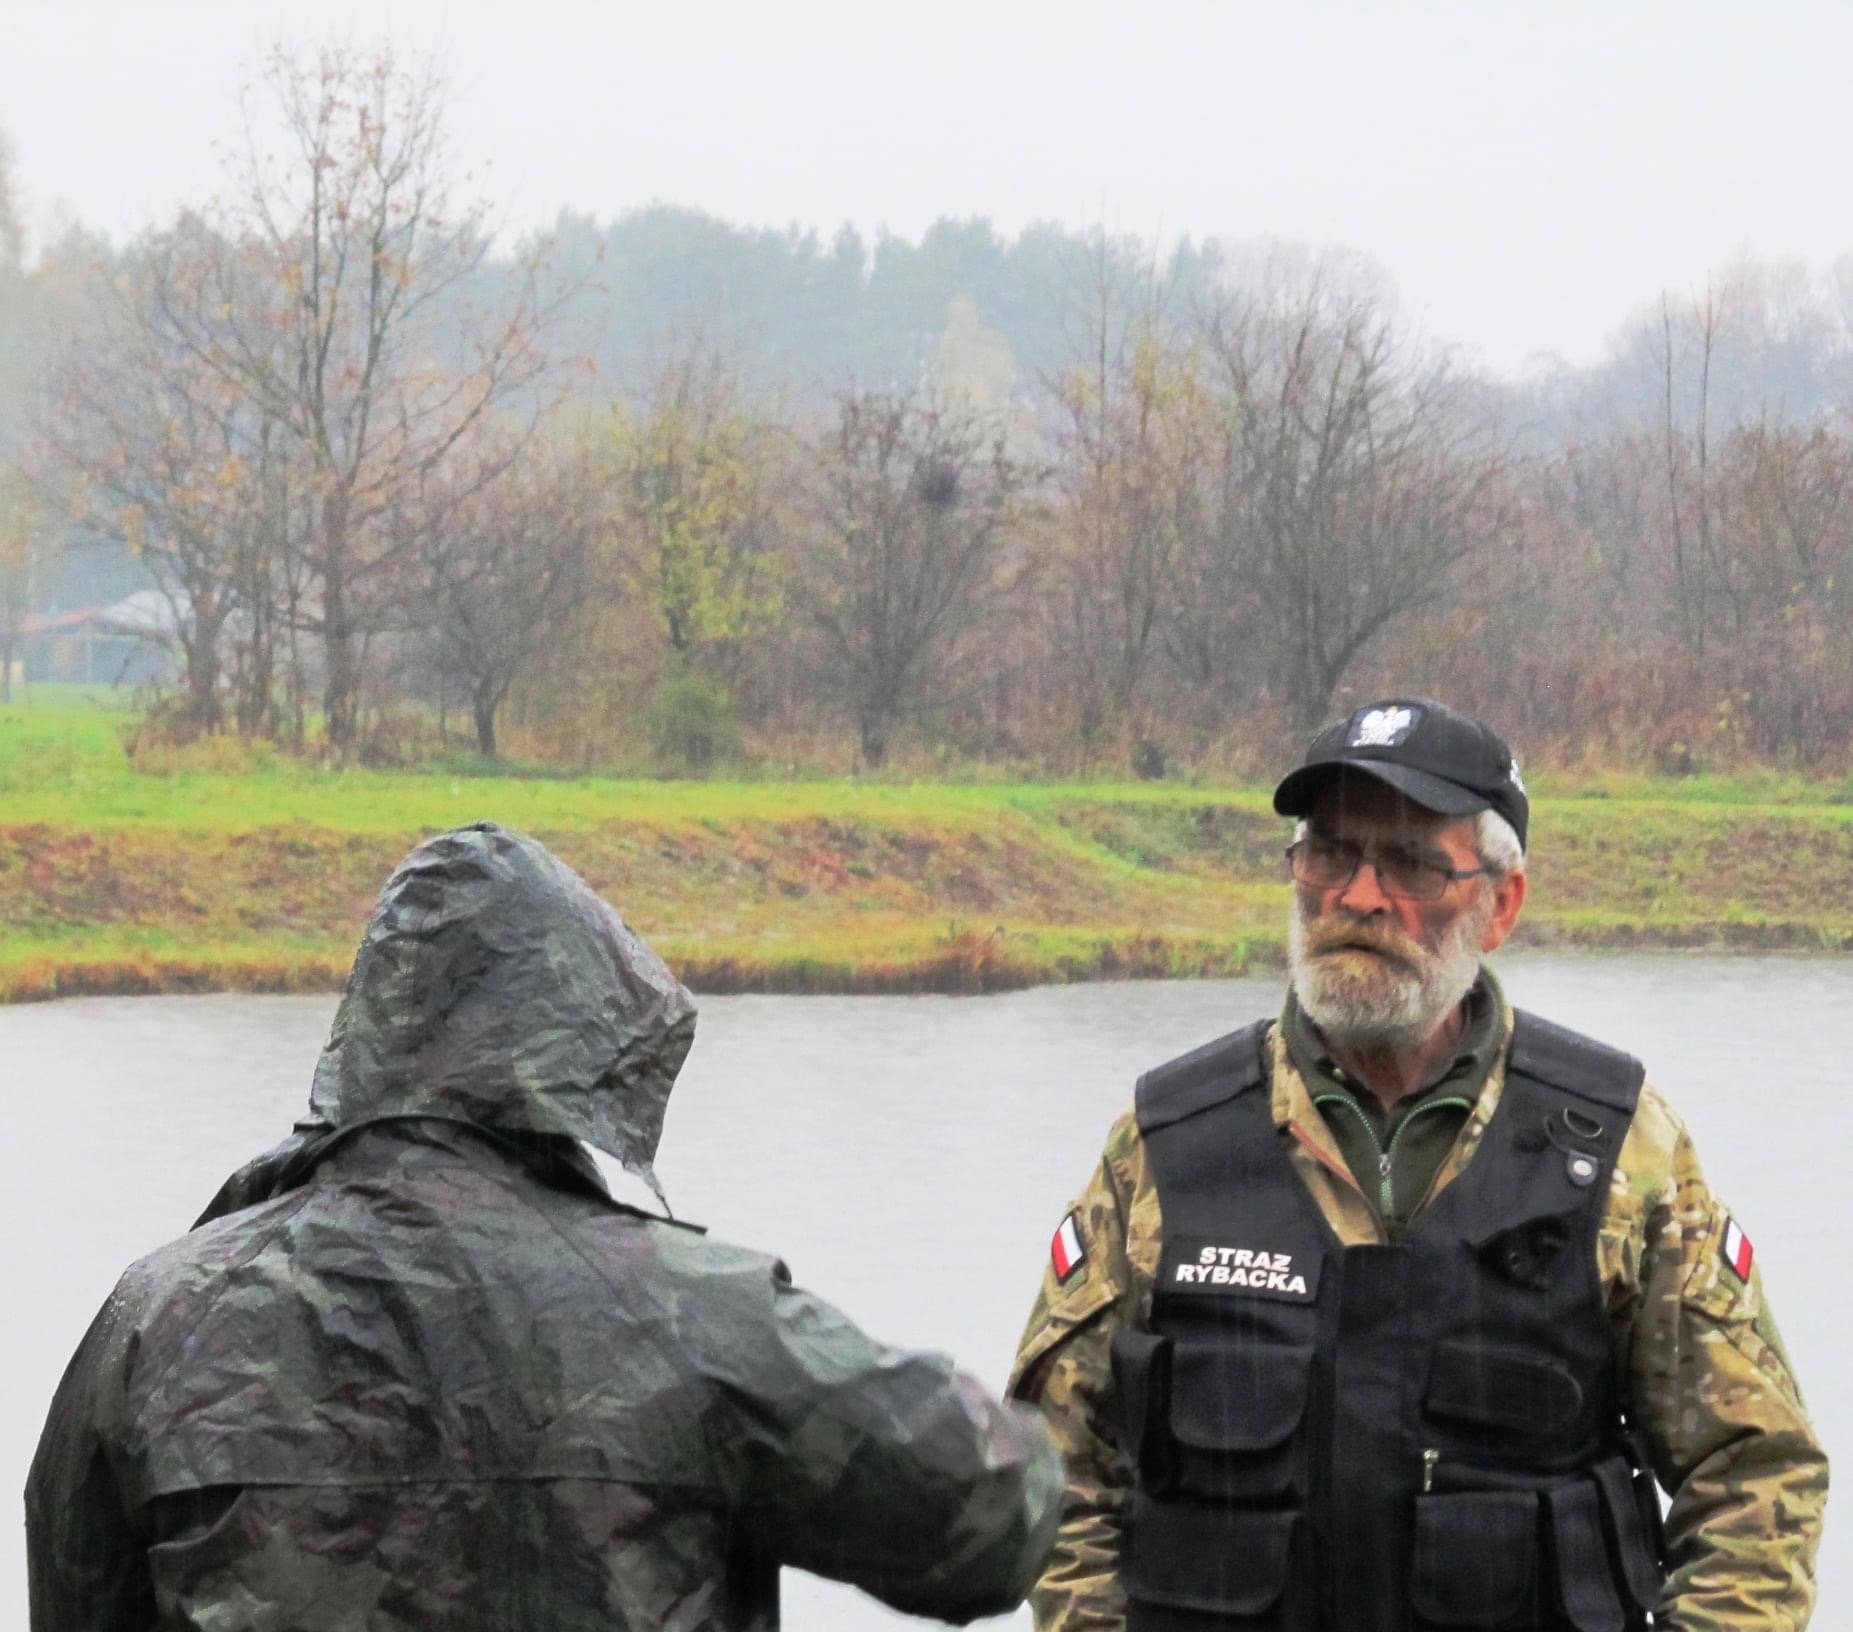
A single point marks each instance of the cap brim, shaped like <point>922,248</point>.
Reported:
<point>1298,789</point>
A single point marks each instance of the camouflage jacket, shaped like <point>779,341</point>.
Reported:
<point>424,1372</point>
<point>1731,1441</point>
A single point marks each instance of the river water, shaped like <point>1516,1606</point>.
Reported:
<point>909,1157</point>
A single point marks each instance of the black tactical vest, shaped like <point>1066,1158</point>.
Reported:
<point>1384,1438</point>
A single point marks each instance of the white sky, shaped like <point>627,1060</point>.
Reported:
<point>1529,171</point>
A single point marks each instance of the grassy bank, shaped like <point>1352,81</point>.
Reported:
<point>259,878</point>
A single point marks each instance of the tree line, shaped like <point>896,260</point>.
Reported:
<point>1062,502</point>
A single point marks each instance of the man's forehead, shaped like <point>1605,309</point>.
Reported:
<point>1349,803</point>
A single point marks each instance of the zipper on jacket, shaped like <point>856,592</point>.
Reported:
<point>1429,1459</point>
<point>1426,1105</point>
<point>1386,1157</point>
<point>1384,1195</point>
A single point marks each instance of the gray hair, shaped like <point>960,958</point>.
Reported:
<point>1497,843</point>
<point>1494,840</point>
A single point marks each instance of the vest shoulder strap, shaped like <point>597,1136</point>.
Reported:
<point>1561,1058</point>
<point>1206,1076</point>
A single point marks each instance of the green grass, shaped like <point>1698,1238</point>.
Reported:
<point>233,867</point>
<point>1751,787</point>
<point>63,765</point>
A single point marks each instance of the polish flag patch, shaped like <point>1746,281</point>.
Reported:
<point>1066,1250</point>
<point>1737,1251</point>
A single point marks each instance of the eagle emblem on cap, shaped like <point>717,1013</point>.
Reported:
<point>1381,727</point>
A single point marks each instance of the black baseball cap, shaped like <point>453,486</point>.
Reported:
<point>1443,761</point>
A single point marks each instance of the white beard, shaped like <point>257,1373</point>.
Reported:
<point>1362,1001</point>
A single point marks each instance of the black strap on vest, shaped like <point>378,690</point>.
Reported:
<point>1232,1065</point>
<point>1204,1077</point>
<point>1577,1064</point>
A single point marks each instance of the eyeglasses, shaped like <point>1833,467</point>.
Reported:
<point>1324,863</point>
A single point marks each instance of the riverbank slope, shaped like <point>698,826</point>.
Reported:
<point>259,877</point>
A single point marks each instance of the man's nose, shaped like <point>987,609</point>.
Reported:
<point>1364,892</point>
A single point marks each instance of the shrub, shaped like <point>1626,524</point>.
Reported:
<point>1148,759</point>
<point>164,742</point>
<point>691,722</point>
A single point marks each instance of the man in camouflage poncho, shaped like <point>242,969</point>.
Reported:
<point>417,1369</point>
<point>1387,1316</point>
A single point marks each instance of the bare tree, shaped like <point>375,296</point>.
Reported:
<point>1703,567</point>
<point>157,448</point>
<point>1790,492</point>
<point>1785,507</point>
<point>507,559</point>
<point>336,300</point>
<point>1130,437</point>
<point>913,525</point>
<point>1358,482</point>
<point>24,537</point>
<point>28,545</point>
<point>12,229</point>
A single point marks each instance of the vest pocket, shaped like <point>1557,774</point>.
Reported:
<point>1585,1578</point>
<point>1229,1562</point>
<point>1478,1555</point>
<point>1629,1531</point>
<point>1235,1414</point>
<point>1496,1388</point>
<point>1213,1420</point>
<point>1476,1559</point>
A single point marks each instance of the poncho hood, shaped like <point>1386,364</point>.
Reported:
<point>493,987</point>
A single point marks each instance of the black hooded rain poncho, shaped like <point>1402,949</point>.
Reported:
<point>416,1369</point>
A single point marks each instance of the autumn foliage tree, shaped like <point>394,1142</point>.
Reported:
<point>1220,496</point>
<point>159,449</point>
<point>694,527</point>
<point>24,536</point>
<point>335,295</point>
<point>28,543</point>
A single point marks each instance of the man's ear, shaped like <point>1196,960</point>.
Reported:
<point>1508,901</point>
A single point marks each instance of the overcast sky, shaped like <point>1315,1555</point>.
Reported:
<point>1528,173</point>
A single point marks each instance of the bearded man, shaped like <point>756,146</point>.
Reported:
<point>1390,1314</point>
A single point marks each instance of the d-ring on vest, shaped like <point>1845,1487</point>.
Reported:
<point>1383,1438</point>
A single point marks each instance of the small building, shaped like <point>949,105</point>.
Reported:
<point>131,642</point>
